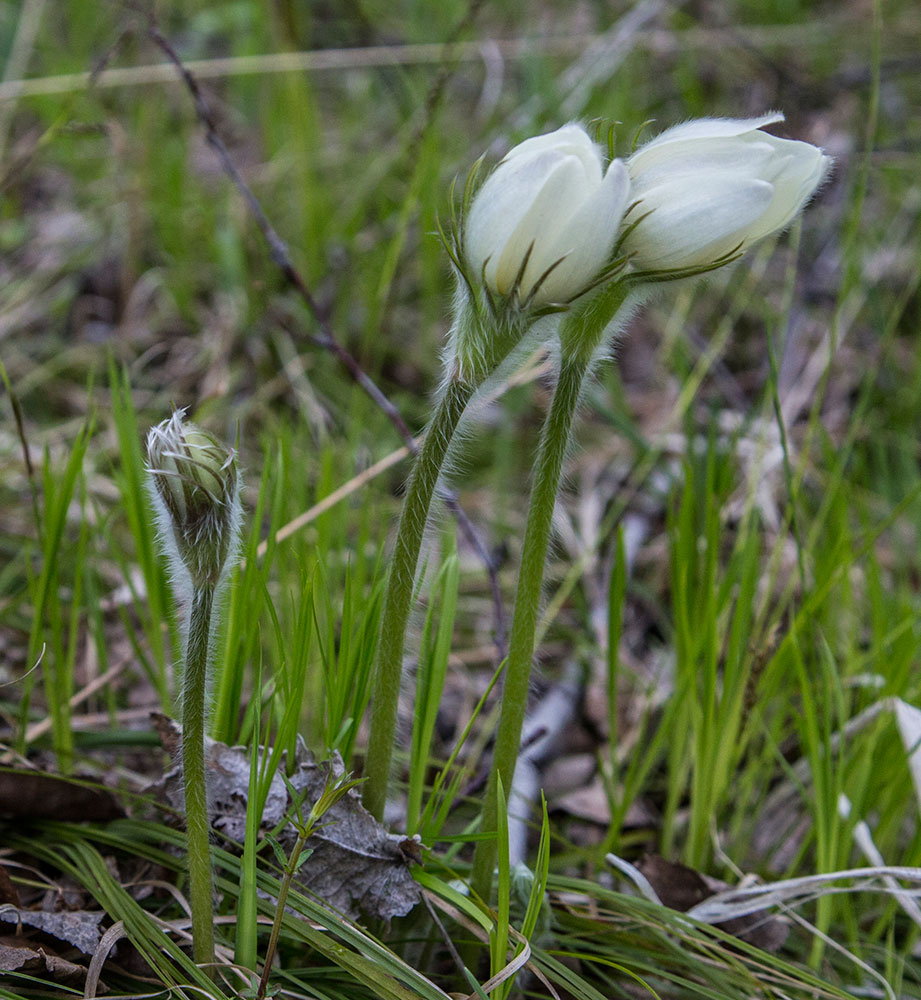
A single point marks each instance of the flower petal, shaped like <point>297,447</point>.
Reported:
<point>745,156</point>
<point>707,129</point>
<point>693,221</point>
<point>717,183</point>
<point>794,184</point>
<point>560,196</point>
<point>500,205</point>
<point>570,140</point>
<point>585,244</point>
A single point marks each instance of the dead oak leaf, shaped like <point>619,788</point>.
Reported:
<point>15,958</point>
<point>355,865</point>
<point>79,928</point>
<point>682,888</point>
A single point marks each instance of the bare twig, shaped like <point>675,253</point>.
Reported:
<point>277,246</point>
<point>325,339</point>
<point>24,443</point>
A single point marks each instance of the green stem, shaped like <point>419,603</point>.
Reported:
<point>554,441</point>
<point>399,594</point>
<point>193,769</point>
<point>280,904</point>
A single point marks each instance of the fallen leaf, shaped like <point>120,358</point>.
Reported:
<point>28,794</point>
<point>682,888</point>
<point>63,971</point>
<point>355,865</point>
<point>228,783</point>
<point>590,802</point>
<point>8,893</point>
<point>15,958</point>
<point>563,774</point>
<point>79,927</point>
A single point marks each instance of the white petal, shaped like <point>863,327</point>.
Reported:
<point>803,171</point>
<point>745,156</point>
<point>500,205</point>
<point>693,221</point>
<point>570,140</point>
<point>715,128</point>
<point>561,195</point>
<point>586,242</point>
<point>700,129</point>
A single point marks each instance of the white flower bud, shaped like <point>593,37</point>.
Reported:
<point>711,186</point>
<point>195,486</point>
<point>551,204</point>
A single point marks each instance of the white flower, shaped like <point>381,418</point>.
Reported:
<point>552,197</point>
<point>714,185</point>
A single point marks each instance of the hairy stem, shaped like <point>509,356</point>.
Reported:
<point>193,769</point>
<point>554,440</point>
<point>399,593</point>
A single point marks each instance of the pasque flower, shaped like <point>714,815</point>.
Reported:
<point>538,234</point>
<point>545,221</point>
<point>195,486</point>
<point>706,188</point>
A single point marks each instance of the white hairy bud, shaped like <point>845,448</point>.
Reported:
<point>195,485</point>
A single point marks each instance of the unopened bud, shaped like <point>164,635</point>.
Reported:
<point>715,186</point>
<point>544,223</point>
<point>195,485</point>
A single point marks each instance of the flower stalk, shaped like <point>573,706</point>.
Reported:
<point>590,322</point>
<point>198,827</point>
<point>553,444</point>
<point>399,593</point>
<point>195,488</point>
<point>482,337</point>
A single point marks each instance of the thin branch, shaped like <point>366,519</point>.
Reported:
<point>277,246</point>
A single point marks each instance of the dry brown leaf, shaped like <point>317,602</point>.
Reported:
<point>15,959</point>
<point>356,866</point>
<point>19,958</point>
<point>682,888</point>
<point>590,802</point>
<point>78,927</point>
<point>28,794</point>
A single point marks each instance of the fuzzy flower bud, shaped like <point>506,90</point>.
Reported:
<point>709,187</point>
<point>545,221</point>
<point>195,486</point>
